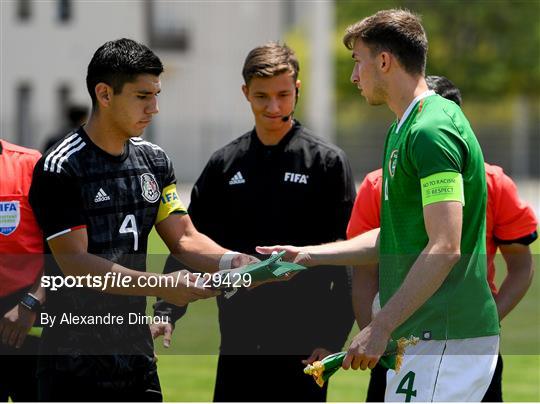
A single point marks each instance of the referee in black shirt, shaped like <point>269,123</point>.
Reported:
<point>278,183</point>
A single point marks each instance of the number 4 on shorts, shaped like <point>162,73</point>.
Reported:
<point>406,387</point>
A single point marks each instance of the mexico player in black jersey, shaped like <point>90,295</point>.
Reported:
<point>97,194</point>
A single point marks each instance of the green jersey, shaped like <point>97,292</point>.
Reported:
<point>433,152</point>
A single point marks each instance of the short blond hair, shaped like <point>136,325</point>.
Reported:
<point>270,60</point>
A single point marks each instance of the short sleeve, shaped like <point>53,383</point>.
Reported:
<point>513,218</point>
<point>435,151</point>
<point>56,201</point>
<point>170,178</point>
<point>366,212</point>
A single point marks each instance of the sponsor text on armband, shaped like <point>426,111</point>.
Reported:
<point>440,187</point>
<point>170,202</point>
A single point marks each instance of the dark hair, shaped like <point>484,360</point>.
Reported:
<point>270,60</point>
<point>445,88</point>
<point>119,62</point>
<point>399,32</point>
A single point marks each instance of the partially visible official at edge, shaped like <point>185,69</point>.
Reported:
<point>21,264</point>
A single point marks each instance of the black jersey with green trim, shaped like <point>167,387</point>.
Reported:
<point>116,198</point>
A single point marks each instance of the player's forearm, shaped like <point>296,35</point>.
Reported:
<point>425,277</point>
<point>37,290</point>
<point>199,252</point>
<point>365,284</point>
<point>515,284</point>
<point>360,250</point>
<point>109,277</point>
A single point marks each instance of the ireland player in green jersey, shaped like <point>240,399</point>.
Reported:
<point>431,244</point>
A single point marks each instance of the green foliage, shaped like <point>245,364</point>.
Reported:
<point>296,40</point>
<point>487,48</point>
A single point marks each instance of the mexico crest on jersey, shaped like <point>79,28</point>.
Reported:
<point>10,217</point>
<point>392,162</point>
<point>150,188</point>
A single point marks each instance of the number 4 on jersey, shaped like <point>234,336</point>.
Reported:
<point>129,225</point>
<point>408,390</point>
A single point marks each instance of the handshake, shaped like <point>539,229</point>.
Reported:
<point>247,272</point>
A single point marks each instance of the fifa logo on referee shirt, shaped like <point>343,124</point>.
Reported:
<point>10,216</point>
<point>295,177</point>
<point>150,188</point>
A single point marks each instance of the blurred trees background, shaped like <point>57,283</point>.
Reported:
<point>489,49</point>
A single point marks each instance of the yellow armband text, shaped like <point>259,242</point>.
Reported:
<point>441,187</point>
<point>170,202</point>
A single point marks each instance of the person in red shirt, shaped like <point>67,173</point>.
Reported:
<point>21,263</point>
<point>511,226</point>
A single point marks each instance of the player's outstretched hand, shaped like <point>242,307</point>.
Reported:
<point>184,287</point>
<point>241,260</point>
<point>165,329</point>
<point>317,355</point>
<point>366,348</point>
<point>292,253</point>
<point>15,324</point>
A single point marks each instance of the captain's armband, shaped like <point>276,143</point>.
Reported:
<point>169,203</point>
<point>442,187</point>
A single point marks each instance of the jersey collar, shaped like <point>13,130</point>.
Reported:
<point>117,159</point>
<point>282,143</point>
<point>411,106</point>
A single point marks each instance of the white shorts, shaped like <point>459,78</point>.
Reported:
<point>451,370</point>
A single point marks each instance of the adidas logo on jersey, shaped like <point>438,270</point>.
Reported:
<point>101,196</point>
<point>237,179</point>
<point>295,177</point>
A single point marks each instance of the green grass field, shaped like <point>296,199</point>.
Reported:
<point>187,369</point>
